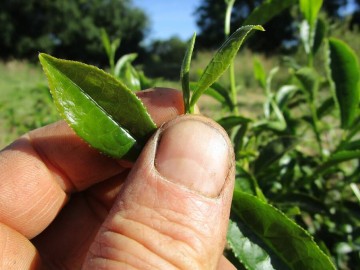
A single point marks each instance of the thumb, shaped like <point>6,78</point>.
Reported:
<point>173,210</point>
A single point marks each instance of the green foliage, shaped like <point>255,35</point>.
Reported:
<point>99,108</point>
<point>296,198</point>
<point>55,26</point>
<point>285,245</point>
<point>185,73</point>
<point>221,61</point>
<point>345,72</point>
<point>284,159</point>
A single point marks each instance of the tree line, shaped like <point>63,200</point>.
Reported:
<point>71,29</point>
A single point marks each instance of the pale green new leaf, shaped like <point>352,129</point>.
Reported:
<point>277,235</point>
<point>123,60</point>
<point>185,72</point>
<point>221,60</point>
<point>100,109</point>
<point>310,10</point>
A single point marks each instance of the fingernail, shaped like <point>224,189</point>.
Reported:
<point>194,154</point>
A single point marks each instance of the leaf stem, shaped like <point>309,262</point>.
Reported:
<point>232,79</point>
<point>233,88</point>
<point>316,128</point>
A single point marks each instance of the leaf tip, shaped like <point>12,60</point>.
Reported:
<point>259,27</point>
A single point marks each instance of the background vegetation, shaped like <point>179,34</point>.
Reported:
<point>327,207</point>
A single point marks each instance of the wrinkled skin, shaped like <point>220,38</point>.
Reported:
<point>65,206</point>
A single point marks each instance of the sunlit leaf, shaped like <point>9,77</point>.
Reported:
<point>221,60</point>
<point>99,108</point>
<point>273,151</point>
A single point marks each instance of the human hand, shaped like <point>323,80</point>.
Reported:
<point>65,206</point>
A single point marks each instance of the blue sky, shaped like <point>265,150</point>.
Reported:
<point>176,17</point>
<point>170,17</point>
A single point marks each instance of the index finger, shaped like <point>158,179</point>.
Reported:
<point>39,170</point>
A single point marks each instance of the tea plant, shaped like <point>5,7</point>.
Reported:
<point>297,166</point>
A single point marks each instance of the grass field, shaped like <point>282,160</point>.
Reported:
<point>25,103</point>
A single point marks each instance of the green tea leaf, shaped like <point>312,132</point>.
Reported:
<point>232,121</point>
<point>310,10</point>
<point>259,72</point>
<point>221,60</point>
<point>184,73</point>
<point>106,43</point>
<point>268,10</point>
<point>222,93</point>
<point>126,72</point>
<point>341,156</point>
<point>110,48</point>
<point>277,235</point>
<point>273,151</point>
<point>99,108</point>
<point>345,73</point>
<point>326,107</point>
<point>123,60</point>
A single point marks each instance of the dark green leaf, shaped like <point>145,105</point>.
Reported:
<point>184,73</point>
<point>287,241</point>
<point>239,141</point>
<point>273,151</point>
<point>221,60</point>
<point>326,107</point>
<point>304,201</point>
<point>217,92</point>
<point>345,73</point>
<point>350,146</point>
<point>268,10</point>
<point>232,121</point>
<point>320,34</point>
<point>246,182</point>
<point>309,81</point>
<point>99,108</point>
